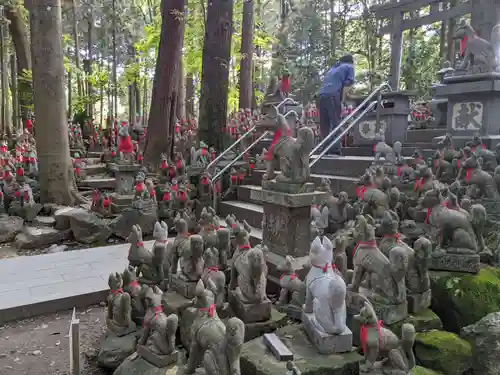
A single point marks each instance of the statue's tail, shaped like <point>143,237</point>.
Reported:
<point>407,341</point>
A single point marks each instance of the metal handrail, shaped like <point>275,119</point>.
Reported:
<point>351,115</point>
<point>339,137</point>
<point>290,112</point>
<point>237,142</point>
<point>233,145</point>
<point>231,163</point>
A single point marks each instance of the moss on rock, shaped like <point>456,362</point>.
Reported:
<point>425,320</point>
<point>418,370</point>
<point>462,299</point>
<point>443,351</point>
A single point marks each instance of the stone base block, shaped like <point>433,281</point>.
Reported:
<point>257,329</point>
<point>455,262</point>
<point>135,365</point>
<point>123,332</point>
<point>115,349</point>
<point>256,359</point>
<point>288,188</point>
<point>293,311</point>
<point>325,343</point>
<point>156,359</point>
<point>183,287</point>
<point>250,313</point>
<point>418,301</point>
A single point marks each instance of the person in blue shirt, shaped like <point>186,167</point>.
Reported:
<point>330,98</point>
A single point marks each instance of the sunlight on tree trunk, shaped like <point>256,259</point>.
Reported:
<point>162,113</point>
<point>56,172</point>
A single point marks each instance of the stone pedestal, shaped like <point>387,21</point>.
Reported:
<point>183,287</point>
<point>125,177</point>
<point>393,120</point>
<point>439,107</point>
<point>455,262</point>
<point>473,106</point>
<point>418,301</point>
<point>325,343</point>
<point>287,216</point>
<point>120,202</point>
<point>388,313</point>
<point>249,313</point>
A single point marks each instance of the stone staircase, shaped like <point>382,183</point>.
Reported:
<point>342,172</point>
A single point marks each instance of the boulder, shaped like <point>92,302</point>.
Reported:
<point>62,216</point>
<point>425,320</point>
<point>10,226</point>
<point>87,227</point>
<point>462,299</point>
<point>26,212</point>
<point>34,238</point>
<point>135,365</point>
<point>122,225</point>
<point>484,337</point>
<point>443,351</point>
<point>115,349</point>
<point>44,221</point>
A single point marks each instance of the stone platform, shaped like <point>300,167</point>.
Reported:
<point>43,284</point>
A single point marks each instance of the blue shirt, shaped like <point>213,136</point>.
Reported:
<point>336,78</point>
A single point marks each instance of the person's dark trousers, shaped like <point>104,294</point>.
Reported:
<point>330,109</point>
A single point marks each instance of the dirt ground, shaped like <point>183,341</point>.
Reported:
<point>39,346</point>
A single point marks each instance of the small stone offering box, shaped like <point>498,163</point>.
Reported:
<point>287,216</point>
<point>455,262</point>
<point>393,120</point>
<point>325,343</point>
<point>125,177</point>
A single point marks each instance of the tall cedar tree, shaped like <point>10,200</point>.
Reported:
<point>56,171</point>
<point>246,56</point>
<point>160,138</point>
<point>215,72</point>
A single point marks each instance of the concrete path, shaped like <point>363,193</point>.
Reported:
<point>41,284</point>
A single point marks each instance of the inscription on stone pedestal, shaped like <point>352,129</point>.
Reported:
<point>467,116</point>
<point>455,262</point>
<point>368,129</point>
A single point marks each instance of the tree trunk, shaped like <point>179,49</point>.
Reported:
<point>77,48</point>
<point>70,95</point>
<point>246,52</point>
<point>114,110</point>
<point>89,52</point>
<point>450,56</point>
<point>3,81</point>
<point>189,96</point>
<point>56,172</point>
<point>215,73</point>
<point>19,34</point>
<point>145,101</point>
<point>333,44</point>
<point>180,111</point>
<point>160,135</point>
<point>15,101</point>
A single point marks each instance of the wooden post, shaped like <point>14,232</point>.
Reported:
<point>396,51</point>
<point>74,345</point>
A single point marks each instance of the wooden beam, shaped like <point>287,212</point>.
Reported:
<point>456,11</point>
<point>388,10</point>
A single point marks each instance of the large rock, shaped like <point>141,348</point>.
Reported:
<point>115,349</point>
<point>135,365</point>
<point>63,216</point>
<point>87,227</point>
<point>122,225</point>
<point>485,339</point>
<point>462,299</point>
<point>443,351</point>
<point>10,226</point>
<point>256,359</point>
<point>35,238</point>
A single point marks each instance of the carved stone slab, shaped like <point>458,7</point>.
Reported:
<point>467,116</point>
<point>418,301</point>
<point>183,287</point>
<point>389,314</point>
<point>325,343</point>
<point>250,313</point>
<point>159,361</point>
<point>280,351</point>
<point>455,262</point>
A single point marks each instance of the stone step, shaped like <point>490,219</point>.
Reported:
<point>92,161</point>
<point>103,183</point>
<point>93,169</point>
<point>408,150</point>
<point>337,183</point>
<point>424,135</point>
<point>94,154</point>
<point>250,212</point>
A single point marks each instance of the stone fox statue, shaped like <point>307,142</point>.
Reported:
<point>479,55</point>
<point>292,155</point>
